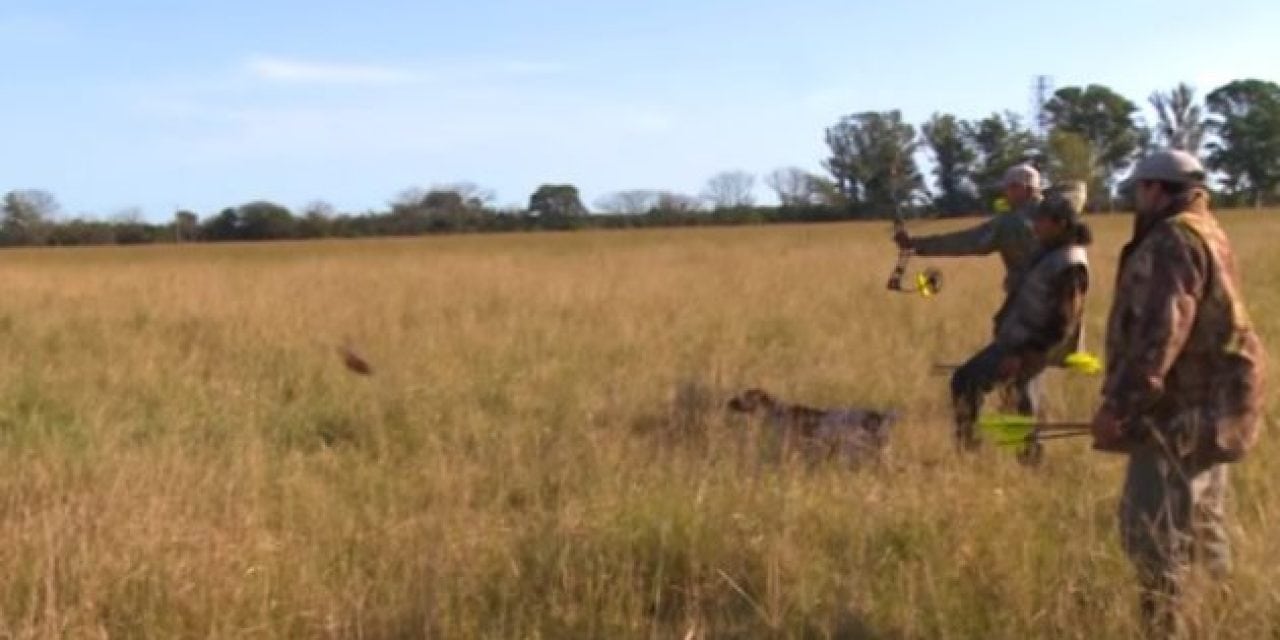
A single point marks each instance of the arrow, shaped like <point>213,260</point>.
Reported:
<point>1078,362</point>
<point>1007,429</point>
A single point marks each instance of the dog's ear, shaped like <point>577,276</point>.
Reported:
<point>749,400</point>
<point>759,397</point>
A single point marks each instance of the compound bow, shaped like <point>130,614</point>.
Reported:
<point>926,283</point>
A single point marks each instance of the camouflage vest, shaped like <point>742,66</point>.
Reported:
<point>1030,308</point>
<point>1219,373</point>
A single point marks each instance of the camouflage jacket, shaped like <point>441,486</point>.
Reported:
<point>1008,233</point>
<point>1180,347</point>
<point>1043,318</point>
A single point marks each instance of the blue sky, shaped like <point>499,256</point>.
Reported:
<point>201,105</point>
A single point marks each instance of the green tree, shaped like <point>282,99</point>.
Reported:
<point>257,220</point>
<point>27,215</point>
<point>1245,123</point>
<point>129,227</point>
<point>873,160</point>
<point>827,194</point>
<point>954,159</point>
<point>1000,141</point>
<point>473,196</point>
<point>79,231</point>
<point>186,226</point>
<point>221,227</point>
<point>454,208</point>
<point>262,220</point>
<point>1181,123</point>
<point>557,206</point>
<point>409,214</point>
<point>317,220</point>
<point>1069,157</point>
<point>1105,120</point>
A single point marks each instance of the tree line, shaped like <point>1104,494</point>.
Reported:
<point>873,170</point>
<point>1088,133</point>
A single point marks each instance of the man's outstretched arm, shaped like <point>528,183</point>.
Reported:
<point>977,241</point>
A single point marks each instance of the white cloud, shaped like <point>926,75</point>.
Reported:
<point>307,72</point>
<point>449,109</point>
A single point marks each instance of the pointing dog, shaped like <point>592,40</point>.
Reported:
<point>853,435</point>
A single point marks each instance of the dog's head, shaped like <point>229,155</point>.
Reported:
<point>878,424</point>
<point>751,401</point>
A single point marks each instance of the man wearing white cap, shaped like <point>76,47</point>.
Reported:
<point>1183,388</point>
<point>1007,233</point>
<point>1011,235</point>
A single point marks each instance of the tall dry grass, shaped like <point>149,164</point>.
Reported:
<point>540,453</point>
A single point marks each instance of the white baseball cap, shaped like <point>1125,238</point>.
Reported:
<point>1023,174</point>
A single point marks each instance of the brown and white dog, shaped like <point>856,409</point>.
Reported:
<point>853,435</point>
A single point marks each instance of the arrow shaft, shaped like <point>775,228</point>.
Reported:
<point>1058,435</point>
<point>1042,437</point>
<point>1063,426</point>
<point>1017,421</point>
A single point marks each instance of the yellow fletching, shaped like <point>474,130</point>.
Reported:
<point>923,285</point>
<point>929,282</point>
<point>1005,428</point>
<point>1082,362</point>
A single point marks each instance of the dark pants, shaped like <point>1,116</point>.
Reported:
<point>979,376</point>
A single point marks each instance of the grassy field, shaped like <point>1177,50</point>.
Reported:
<point>540,452</point>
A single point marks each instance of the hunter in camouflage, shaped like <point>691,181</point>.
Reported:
<point>1182,393</point>
<point>1041,322</point>
<point>1011,236</point>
